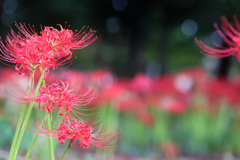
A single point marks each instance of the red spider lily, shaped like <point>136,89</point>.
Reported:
<point>51,48</point>
<point>164,85</point>
<point>57,95</point>
<point>8,80</point>
<point>221,90</point>
<point>231,37</point>
<point>78,79</point>
<point>77,129</point>
<point>145,117</point>
<point>142,83</point>
<point>173,105</point>
<point>131,103</point>
<point>114,92</point>
<point>100,78</point>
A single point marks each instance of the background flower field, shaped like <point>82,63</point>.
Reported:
<point>170,101</point>
<point>187,113</point>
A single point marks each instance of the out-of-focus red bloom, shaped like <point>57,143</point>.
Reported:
<point>142,83</point>
<point>231,37</point>
<point>79,130</point>
<point>170,149</point>
<point>78,79</point>
<point>57,95</point>
<point>183,83</point>
<point>221,90</point>
<point>115,91</point>
<point>123,98</point>
<point>8,80</point>
<point>131,103</point>
<point>51,48</point>
<point>198,78</point>
<point>100,78</point>
<point>165,85</point>
<point>146,117</point>
<point>173,105</point>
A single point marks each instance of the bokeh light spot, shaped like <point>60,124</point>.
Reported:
<point>9,6</point>
<point>210,64</point>
<point>120,5</point>
<point>216,38</point>
<point>113,24</point>
<point>7,19</point>
<point>189,27</point>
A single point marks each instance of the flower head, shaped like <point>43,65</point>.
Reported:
<point>49,49</point>
<point>231,38</point>
<point>83,132</point>
<point>57,95</point>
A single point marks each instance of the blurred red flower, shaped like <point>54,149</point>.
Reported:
<point>218,91</point>
<point>231,38</point>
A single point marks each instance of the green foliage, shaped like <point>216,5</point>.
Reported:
<point>194,131</point>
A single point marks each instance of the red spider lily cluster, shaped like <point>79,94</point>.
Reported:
<point>29,50</point>
<point>144,98</point>
<point>77,129</point>
<point>59,96</point>
<point>171,93</point>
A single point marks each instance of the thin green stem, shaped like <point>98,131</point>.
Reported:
<point>35,138</point>
<point>27,118</point>
<point>66,149</point>
<point>50,140</point>
<point>20,120</point>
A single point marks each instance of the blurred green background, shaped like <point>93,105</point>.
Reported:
<point>155,38</point>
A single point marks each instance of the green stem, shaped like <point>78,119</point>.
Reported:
<point>50,140</point>
<point>66,149</point>
<point>20,120</point>
<point>27,118</point>
<point>35,138</point>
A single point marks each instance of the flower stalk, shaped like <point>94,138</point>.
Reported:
<point>24,125</point>
<point>51,48</point>
<point>50,140</point>
<point>15,138</point>
<point>35,138</point>
<point>66,149</point>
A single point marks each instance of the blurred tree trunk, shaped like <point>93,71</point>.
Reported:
<point>134,15</point>
<point>223,68</point>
